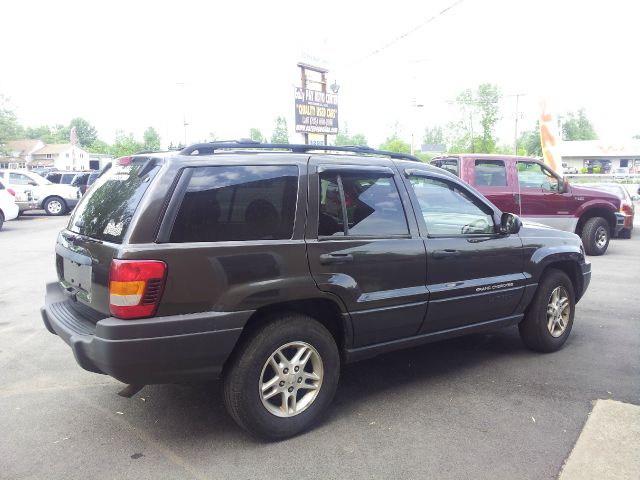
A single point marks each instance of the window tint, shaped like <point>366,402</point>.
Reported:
<point>238,203</point>
<point>371,201</point>
<point>449,210</point>
<point>450,165</point>
<point>54,177</point>
<point>106,210</point>
<point>19,179</point>
<point>1,186</point>
<point>490,173</point>
<point>331,219</point>
<point>534,175</point>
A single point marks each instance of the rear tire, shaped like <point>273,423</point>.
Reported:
<point>55,206</point>
<point>261,390</point>
<point>549,318</point>
<point>596,235</point>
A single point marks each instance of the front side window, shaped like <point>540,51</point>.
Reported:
<point>371,203</point>
<point>238,203</point>
<point>449,210</point>
<point>534,175</point>
<point>490,173</point>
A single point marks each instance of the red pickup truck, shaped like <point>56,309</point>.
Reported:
<point>527,187</point>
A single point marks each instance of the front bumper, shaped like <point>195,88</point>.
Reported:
<point>620,221</point>
<point>151,350</point>
<point>585,270</point>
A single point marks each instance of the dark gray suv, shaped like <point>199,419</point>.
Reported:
<point>271,265</point>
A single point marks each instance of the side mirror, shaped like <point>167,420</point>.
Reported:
<point>510,224</point>
<point>635,198</point>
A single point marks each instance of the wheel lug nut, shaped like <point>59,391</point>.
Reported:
<point>296,369</point>
<point>300,380</point>
<point>282,383</point>
<point>285,371</point>
<point>290,389</point>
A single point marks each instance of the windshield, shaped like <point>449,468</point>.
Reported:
<point>105,212</point>
<point>39,180</point>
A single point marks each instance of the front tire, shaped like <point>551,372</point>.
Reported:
<point>549,318</point>
<point>595,236</point>
<point>283,377</point>
<point>55,206</point>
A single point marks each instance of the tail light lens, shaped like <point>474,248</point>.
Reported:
<point>626,209</point>
<point>135,287</point>
<point>124,161</point>
<point>11,191</point>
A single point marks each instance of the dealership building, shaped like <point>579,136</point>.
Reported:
<point>579,154</point>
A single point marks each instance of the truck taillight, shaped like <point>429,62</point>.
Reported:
<point>626,209</point>
<point>11,191</point>
<point>135,287</point>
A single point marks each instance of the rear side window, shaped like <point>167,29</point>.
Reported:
<point>238,203</point>
<point>449,164</point>
<point>106,210</point>
<point>54,177</point>
<point>490,173</point>
<point>370,202</point>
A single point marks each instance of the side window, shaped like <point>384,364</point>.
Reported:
<point>54,177</point>
<point>238,203</point>
<point>371,201</point>
<point>450,165</point>
<point>449,210</point>
<point>534,175</point>
<point>490,173</point>
<point>19,179</point>
<point>331,218</point>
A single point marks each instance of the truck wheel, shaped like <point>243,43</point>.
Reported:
<point>55,206</point>
<point>595,236</point>
<point>283,377</point>
<point>549,317</point>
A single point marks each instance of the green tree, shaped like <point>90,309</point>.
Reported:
<point>529,142</point>
<point>395,144</point>
<point>344,138</point>
<point>434,135</point>
<point>256,135</point>
<point>151,139</point>
<point>636,137</point>
<point>578,127</point>
<point>125,144</point>
<point>87,133</point>
<point>100,146</point>
<point>40,133</point>
<point>479,114</point>
<point>280,132</point>
<point>10,129</point>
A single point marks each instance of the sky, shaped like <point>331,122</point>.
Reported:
<point>228,66</point>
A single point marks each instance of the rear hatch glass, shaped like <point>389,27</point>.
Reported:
<point>105,212</point>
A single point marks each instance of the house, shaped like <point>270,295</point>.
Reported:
<point>62,156</point>
<point>624,154</point>
<point>20,152</point>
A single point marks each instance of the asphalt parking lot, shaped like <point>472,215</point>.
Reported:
<point>476,407</point>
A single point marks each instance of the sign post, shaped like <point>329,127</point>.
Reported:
<point>316,110</point>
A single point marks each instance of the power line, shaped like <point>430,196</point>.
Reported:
<point>406,34</point>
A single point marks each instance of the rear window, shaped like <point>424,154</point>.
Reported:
<point>106,210</point>
<point>490,173</point>
<point>238,203</point>
<point>449,164</point>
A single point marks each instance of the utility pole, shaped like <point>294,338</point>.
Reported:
<point>413,121</point>
<point>515,135</point>
<point>184,115</point>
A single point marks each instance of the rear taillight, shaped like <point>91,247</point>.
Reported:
<point>626,209</point>
<point>124,161</point>
<point>135,287</point>
<point>11,191</point>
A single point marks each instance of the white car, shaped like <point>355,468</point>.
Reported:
<point>8,208</point>
<point>34,192</point>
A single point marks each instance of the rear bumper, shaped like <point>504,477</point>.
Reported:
<point>10,211</point>
<point>153,350</point>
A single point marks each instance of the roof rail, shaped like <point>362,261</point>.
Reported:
<point>244,144</point>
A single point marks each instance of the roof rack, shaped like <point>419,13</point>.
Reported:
<point>243,144</point>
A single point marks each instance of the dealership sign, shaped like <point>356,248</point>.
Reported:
<point>316,112</point>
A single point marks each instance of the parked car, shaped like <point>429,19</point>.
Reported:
<point>81,181</point>
<point>528,187</point>
<point>64,177</point>
<point>272,267</point>
<point>8,208</point>
<point>627,207</point>
<point>34,192</point>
